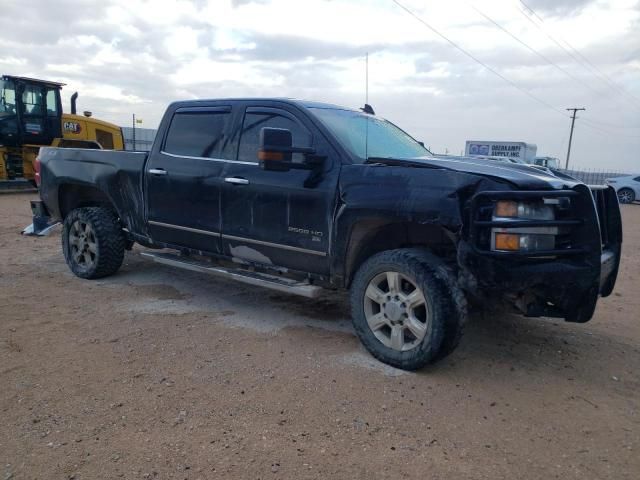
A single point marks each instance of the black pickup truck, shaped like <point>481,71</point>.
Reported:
<point>300,196</point>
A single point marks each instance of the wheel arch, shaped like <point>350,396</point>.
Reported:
<point>72,196</point>
<point>376,234</point>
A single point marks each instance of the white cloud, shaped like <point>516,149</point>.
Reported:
<point>182,41</point>
<point>138,55</point>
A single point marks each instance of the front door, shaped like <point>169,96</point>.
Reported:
<point>270,217</point>
<point>184,178</point>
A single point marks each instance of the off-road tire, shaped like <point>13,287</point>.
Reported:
<point>447,303</point>
<point>626,195</point>
<point>109,241</point>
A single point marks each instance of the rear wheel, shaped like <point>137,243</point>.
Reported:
<point>406,308</point>
<point>93,242</point>
<point>626,195</point>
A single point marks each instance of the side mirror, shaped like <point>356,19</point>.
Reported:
<point>275,149</point>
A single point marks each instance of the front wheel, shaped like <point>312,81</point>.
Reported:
<point>626,195</point>
<point>406,308</point>
<point>93,242</point>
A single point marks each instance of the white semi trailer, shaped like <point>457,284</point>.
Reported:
<point>519,150</point>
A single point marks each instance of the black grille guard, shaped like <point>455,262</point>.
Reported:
<point>594,223</point>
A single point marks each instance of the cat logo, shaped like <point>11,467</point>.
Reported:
<point>72,127</point>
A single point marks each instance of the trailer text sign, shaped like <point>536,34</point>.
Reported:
<point>495,150</point>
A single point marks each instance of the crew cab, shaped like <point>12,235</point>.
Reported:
<point>302,196</point>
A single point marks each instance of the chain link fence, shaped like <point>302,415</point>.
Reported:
<point>592,176</point>
<point>144,138</point>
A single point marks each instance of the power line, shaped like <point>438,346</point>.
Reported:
<point>593,126</point>
<point>613,125</point>
<point>583,61</point>
<point>548,60</point>
<point>533,50</point>
<point>477,60</point>
<point>504,78</point>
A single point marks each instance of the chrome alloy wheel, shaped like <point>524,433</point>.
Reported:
<point>397,311</point>
<point>82,244</point>
<point>625,196</point>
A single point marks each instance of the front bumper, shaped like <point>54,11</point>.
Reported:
<point>565,282</point>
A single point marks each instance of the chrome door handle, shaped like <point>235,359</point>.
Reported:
<point>157,171</point>
<point>237,180</point>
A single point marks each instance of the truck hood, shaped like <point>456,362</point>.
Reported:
<point>522,176</point>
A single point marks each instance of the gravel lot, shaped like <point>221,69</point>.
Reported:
<point>160,373</point>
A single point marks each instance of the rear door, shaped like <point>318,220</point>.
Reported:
<point>268,216</point>
<point>184,177</point>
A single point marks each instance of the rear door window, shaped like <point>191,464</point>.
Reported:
<point>199,132</point>
<point>256,121</point>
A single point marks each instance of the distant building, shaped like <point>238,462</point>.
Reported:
<point>144,138</point>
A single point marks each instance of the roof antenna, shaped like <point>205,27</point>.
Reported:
<point>367,108</point>
<point>366,82</point>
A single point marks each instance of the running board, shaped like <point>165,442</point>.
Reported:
<point>251,278</point>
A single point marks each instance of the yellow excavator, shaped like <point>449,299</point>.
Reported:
<point>31,117</point>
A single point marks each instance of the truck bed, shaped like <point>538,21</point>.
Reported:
<point>117,174</point>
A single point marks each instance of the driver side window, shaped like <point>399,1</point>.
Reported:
<point>250,135</point>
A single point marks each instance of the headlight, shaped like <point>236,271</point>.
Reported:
<point>523,239</point>
<point>524,210</point>
<point>523,242</point>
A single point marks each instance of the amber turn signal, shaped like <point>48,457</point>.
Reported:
<point>506,208</point>
<point>266,155</point>
<point>507,241</point>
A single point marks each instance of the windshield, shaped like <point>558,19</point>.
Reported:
<point>7,98</point>
<point>366,136</point>
<point>520,161</point>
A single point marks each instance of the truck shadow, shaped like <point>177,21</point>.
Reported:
<point>494,343</point>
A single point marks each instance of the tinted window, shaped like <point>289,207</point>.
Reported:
<point>105,139</point>
<point>7,97</point>
<point>33,100</point>
<point>366,136</point>
<point>198,134</point>
<point>52,104</point>
<point>254,122</point>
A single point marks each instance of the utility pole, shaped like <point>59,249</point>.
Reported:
<point>573,121</point>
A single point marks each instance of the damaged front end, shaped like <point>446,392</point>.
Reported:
<point>547,253</point>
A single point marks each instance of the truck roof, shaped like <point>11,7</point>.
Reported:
<point>293,101</point>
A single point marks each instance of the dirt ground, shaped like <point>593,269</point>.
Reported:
<point>160,373</point>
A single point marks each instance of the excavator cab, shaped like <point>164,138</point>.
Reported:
<point>31,116</point>
<point>30,111</point>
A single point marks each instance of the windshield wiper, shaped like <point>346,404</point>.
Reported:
<point>380,160</point>
<point>397,162</point>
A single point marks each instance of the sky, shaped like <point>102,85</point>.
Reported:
<point>543,56</point>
